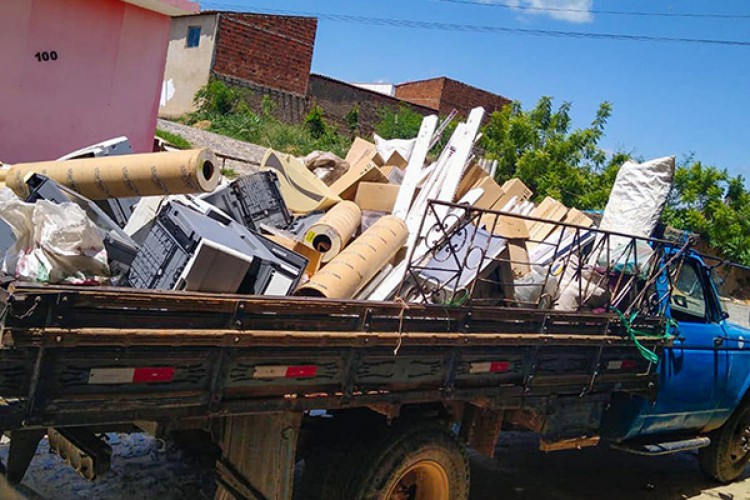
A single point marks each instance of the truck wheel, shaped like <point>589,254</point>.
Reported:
<point>725,458</point>
<point>419,462</point>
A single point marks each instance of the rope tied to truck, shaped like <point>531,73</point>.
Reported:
<point>670,326</point>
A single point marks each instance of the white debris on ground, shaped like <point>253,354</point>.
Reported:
<point>142,468</point>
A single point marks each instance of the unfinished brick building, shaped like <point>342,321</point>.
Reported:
<point>266,53</point>
<point>445,94</point>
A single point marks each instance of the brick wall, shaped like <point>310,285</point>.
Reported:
<point>464,97</point>
<point>444,95</point>
<point>337,98</point>
<point>270,51</point>
<point>424,93</point>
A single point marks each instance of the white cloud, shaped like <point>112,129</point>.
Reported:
<point>574,11</point>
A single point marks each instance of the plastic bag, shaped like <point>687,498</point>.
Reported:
<point>54,243</point>
<point>386,148</point>
<point>532,289</point>
<point>326,166</point>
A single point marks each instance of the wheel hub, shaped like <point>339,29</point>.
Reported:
<point>425,480</point>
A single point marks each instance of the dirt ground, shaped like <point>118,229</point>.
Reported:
<point>144,468</point>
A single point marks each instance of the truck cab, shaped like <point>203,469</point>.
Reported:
<point>703,380</point>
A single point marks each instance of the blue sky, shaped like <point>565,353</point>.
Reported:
<point>669,98</point>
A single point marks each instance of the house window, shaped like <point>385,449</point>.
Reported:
<point>193,36</point>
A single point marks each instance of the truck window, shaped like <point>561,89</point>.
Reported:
<point>688,299</point>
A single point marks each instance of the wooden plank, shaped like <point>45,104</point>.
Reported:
<point>63,337</point>
<point>261,450</point>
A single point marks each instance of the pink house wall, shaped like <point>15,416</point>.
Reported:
<point>106,81</point>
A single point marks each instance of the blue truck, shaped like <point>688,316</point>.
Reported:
<point>376,399</point>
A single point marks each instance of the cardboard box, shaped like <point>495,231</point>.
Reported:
<point>366,170</point>
<point>549,209</point>
<point>474,175</point>
<point>363,150</point>
<point>492,192</point>
<point>514,187</point>
<point>313,256</point>
<point>394,174</point>
<point>507,226</point>
<point>519,257</point>
<point>376,197</point>
<point>578,218</point>
<point>396,160</point>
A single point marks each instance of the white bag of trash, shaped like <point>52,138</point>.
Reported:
<point>54,243</point>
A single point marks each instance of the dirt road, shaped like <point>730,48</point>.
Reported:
<point>144,468</point>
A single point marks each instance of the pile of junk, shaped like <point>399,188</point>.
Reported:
<point>393,220</point>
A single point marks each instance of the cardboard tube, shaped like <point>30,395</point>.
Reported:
<point>334,230</point>
<point>179,172</point>
<point>353,268</point>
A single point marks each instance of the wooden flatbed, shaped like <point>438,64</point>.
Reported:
<point>84,358</point>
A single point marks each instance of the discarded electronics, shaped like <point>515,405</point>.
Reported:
<point>253,200</point>
<point>121,249</point>
<point>187,250</point>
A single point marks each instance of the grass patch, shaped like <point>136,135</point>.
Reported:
<point>174,139</point>
<point>227,111</point>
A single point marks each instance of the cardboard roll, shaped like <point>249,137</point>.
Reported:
<point>149,174</point>
<point>353,268</point>
<point>334,230</point>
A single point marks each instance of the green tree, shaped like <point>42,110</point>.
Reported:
<point>540,147</point>
<point>401,123</point>
<point>707,201</point>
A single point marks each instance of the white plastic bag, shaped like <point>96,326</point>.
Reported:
<point>385,148</point>
<point>54,243</point>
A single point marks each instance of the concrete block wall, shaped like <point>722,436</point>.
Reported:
<point>269,51</point>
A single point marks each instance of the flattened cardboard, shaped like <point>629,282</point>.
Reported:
<point>549,209</point>
<point>506,226</point>
<point>376,197</point>
<point>578,218</point>
<point>363,150</point>
<point>474,175</point>
<point>302,191</point>
<point>514,187</point>
<point>491,193</point>
<point>519,257</point>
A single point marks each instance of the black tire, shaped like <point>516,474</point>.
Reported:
<point>368,469</point>
<point>724,460</point>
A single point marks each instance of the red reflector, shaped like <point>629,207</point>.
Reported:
<point>158,374</point>
<point>628,364</point>
<point>499,366</point>
<point>300,371</point>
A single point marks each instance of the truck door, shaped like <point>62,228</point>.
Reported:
<point>693,372</point>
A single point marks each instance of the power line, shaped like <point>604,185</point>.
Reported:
<point>502,30</point>
<point>593,11</point>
